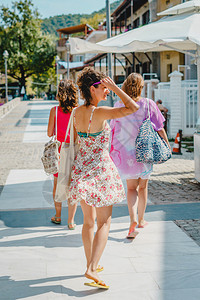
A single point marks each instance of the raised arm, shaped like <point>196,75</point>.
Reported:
<point>130,106</point>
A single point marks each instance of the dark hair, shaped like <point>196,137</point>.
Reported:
<point>67,95</point>
<point>85,80</point>
<point>133,85</point>
<point>159,101</point>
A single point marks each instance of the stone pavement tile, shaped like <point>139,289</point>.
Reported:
<point>54,264</point>
<point>178,248</point>
<point>92,293</point>
<point>164,263</point>
<point>170,280</point>
<point>162,237</point>
<point>12,289</point>
<point>176,294</point>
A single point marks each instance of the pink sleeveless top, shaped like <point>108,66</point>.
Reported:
<point>62,122</point>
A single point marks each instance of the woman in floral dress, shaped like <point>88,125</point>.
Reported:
<point>95,181</point>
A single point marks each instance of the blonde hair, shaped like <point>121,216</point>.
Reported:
<point>133,85</point>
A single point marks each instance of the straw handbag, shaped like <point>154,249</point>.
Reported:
<point>67,155</point>
<point>50,158</point>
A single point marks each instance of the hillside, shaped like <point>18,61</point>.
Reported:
<point>49,25</point>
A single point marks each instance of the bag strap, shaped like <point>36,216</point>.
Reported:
<point>70,127</point>
<point>88,131</point>
<point>56,121</point>
<point>148,116</point>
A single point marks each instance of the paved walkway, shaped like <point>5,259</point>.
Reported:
<point>40,260</point>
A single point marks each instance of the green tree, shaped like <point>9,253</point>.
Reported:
<point>94,20</point>
<point>30,51</point>
<point>45,82</point>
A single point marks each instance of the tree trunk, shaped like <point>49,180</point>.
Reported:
<point>22,80</point>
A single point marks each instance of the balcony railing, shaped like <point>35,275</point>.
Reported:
<point>61,42</point>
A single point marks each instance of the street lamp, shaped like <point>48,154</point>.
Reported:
<point>57,60</point>
<point>109,55</point>
<point>5,55</point>
<point>67,44</point>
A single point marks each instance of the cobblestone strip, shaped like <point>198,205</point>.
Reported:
<point>173,181</point>
<point>191,228</point>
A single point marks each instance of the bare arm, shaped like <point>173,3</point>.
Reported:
<point>163,134</point>
<point>51,124</point>
<point>130,106</point>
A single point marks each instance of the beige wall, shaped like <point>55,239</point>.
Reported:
<point>165,4</point>
<point>139,13</point>
<point>168,58</point>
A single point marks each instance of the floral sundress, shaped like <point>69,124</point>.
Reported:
<point>94,177</point>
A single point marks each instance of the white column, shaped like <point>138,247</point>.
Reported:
<point>176,103</point>
<point>198,78</point>
<point>197,135</point>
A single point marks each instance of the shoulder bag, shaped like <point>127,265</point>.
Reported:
<point>67,155</point>
<point>150,147</point>
<point>50,157</point>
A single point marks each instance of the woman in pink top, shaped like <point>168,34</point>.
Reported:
<point>68,99</point>
<point>122,152</point>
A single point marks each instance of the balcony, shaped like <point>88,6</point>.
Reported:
<point>61,45</point>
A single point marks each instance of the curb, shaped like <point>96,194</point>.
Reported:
<point>7,107</point>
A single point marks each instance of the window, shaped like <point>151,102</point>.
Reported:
<point>136,23</point>
<point>137,68</point>
<point>146,67</point>
<point>79,58</point>
<point>169,70</point>
<point>145,18</point>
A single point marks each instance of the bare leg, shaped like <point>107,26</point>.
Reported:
<point>71,214</point>
<point>103,226</point>
<point>142,203</point>
<point>132,200</point>
<point>89,215</point>
<point>58,206</point>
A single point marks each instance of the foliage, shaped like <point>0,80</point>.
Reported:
<point>51,24</point>
<point>45,81</point>
<point>94,20</point>
<point>30,51</point>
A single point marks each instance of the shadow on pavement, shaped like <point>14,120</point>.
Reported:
<point>11,289</point>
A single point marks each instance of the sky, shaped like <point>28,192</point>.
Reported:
<point>48,8</point>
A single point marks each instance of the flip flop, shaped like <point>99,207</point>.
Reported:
<point>99,269</point>
<point>55,221</point>
<point>132,233</point>
<point>71,226</point>
<point>99,284</point>
<point>143,225</point>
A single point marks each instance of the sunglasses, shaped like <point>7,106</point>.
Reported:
<point>98,82</point>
